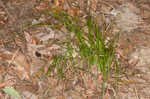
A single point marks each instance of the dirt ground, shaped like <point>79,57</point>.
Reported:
<point>20,52</point>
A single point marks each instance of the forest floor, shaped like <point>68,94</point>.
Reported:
<point>24,61</point>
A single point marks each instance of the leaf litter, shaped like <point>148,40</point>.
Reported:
<point>19,61</point>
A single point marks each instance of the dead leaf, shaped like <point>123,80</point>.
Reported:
<point>99,78</point>
<point>94,4</point>
<point>121,1</point>
<point>30,39</point>
<point>19,41</point>
<point>5,56</point>
<point>9,82</point>
<point>43,6</point>
<point>1,43</point>
<point>20,61</point>
<point>22,65</point>
<point>73,12</point>
<point>58,4</point>
<point>107,95</point>
<point>44,37</point>
<point>29,95</point>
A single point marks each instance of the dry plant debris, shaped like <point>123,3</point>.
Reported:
<point>25,69</point>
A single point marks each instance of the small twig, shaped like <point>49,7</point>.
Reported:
<point>136,93</point>
<point>13,57</point>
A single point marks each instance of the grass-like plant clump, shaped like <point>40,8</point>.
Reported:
<point>90,43</point>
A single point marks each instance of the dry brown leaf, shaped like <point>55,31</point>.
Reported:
<point>19,41</point>
<point>5,56</point>
<point>46,36</point>
<point>94,4</point>
<point>59,4</point>
<point>1,43</point>
<point>46,69</point>
<point>99,78</point>
<point>9,82</point>
<point>56,3</point>
<point>73,11</point>
<point>121,1</point>
<point>30,39</point>
<point>2,22</point>
<point>43,6</point>
<point>107,95</point>
<point>29,95</point>
<point>21,63</point>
